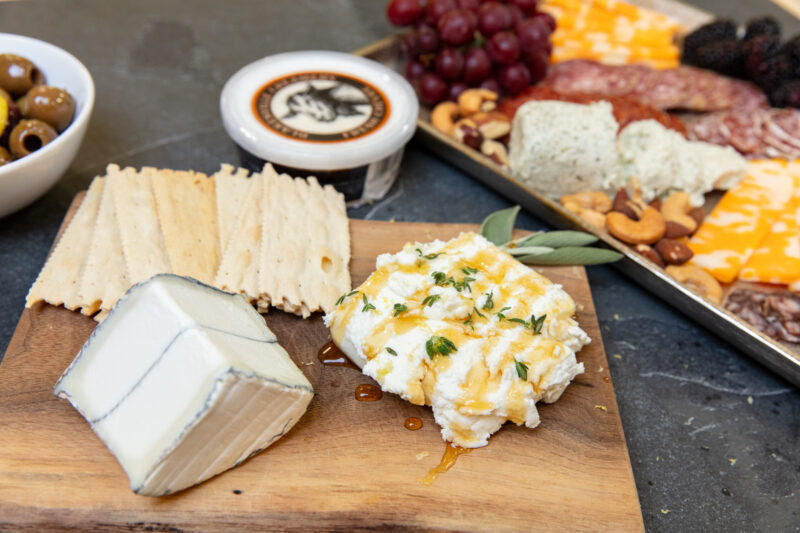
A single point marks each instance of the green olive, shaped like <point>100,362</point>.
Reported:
<point>18,75</point>
<point>5,157</point>
<point>28,136</point>
<point>49,104</point>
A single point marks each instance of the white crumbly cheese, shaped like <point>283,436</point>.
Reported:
<point>468,292</point>
<point>182,382</point>
<point>560,148</point>
<point>663,162</point>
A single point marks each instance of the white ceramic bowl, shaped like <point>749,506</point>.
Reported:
<point>26,179</point>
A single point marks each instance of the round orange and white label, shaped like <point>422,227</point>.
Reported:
<point>321,107</point>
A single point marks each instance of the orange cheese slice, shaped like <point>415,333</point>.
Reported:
<point>777,258</point>
<point>738,224</point>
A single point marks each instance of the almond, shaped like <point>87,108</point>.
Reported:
<point>650,254</point>
<point>673,252</point>
<point>675,230</point>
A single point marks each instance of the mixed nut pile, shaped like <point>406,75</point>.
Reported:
<point>658,230</point>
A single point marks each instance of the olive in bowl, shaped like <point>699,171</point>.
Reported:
<point>26,178</point>
<point>51,105</point>
<point>18,74</point>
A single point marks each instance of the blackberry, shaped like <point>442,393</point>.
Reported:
<point>762,61</point>
<point>786,94</point>
<point>719,30</point>
<point>762,26</point>
<point>724,57</point>
<point>792,51</point>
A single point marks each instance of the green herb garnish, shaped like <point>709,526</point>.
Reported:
<point>367,306</point>
<point>439,346</point>
<point>489,304</point>
<point>520,321</point>
<point>469,270</point>
<point>400,308</point>
<point>391,351</point>
<point>429,256</point>
<point>440,278</point>
<point>478,312</point>
<point>430,300</point>
<point>343,296</point>
<point>522,369</point>
<point>536,323</point>
<point>500,315</point>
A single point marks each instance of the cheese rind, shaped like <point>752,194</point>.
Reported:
<point>182,382</point>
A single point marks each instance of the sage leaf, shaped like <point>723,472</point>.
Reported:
<point>498,226</point>
<point>556,239</point>
<point>573,255</point>
<point>529,250</point>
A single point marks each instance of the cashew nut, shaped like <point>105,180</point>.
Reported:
<point>676,208</point>
<point>648,229</point>
<point>473,100</point>
<point>443,117</point>
<point>698,280</point>
<point>596,218</point>
<point>594,200</point>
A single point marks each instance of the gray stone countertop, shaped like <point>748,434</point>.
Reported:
<point>714,438</point>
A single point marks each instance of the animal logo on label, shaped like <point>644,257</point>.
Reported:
<point>321,107</point>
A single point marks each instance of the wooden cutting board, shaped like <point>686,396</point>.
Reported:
<point>347,465</point>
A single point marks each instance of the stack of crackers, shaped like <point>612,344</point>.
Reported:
<point>279,241</point>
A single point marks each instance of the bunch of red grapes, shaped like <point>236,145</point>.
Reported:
<point>457,44</point>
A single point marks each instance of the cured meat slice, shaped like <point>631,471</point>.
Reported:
<point>682,88</point>
<point>626,108</point>
<point>755,133</point>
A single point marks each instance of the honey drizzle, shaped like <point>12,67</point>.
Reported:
<point>367,392</point>
<point>413,423</point>
<point>331,355</point>
<point>451,454</point>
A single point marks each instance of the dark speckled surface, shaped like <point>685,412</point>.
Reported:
<point>714,439</point>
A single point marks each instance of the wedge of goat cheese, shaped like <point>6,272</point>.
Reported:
<point>465,328</point>
<point>183,381</point>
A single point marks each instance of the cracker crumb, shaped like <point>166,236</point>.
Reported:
<point>601,407</point>
<point>732,461</point>
<point>750,400</point>
<point>617,356</point>
<point>391,220</point>
<point>308,364</point>
<point>665,511</point>
<point>600,369</point>
<point>616,316</point>
<point>422,455</point>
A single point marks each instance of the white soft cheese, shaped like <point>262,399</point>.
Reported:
<point>182,382</point>
<point>560,148</point>
<point>663,162</point>
<point>475,389</point>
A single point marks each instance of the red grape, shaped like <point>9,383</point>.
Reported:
<point>449,63</point>
<point>427,40</point>
<point>491,84</point>
<point>432,89</point>
<point>492,18</point>
<point>437,8</point>
<point>477,65</point>
<point>533,35</point>
<point>457,27</point>
<point>548,19</point>
<point>503,47</point>
<point>471,5</point>
<point>516,15</point>
<point>404,12</point>
<point>456,89</point>
<point>410,44</point>
<point>527,6</point>
<point>414,69</point>
<point>514,78</point>
<point>537,65</point>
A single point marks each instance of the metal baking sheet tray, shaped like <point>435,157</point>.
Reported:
<point>781,358</point>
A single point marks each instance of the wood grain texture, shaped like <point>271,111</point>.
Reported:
<point>346,466</point>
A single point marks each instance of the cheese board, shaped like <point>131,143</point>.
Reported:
<point>781,357</point>
<point>346,465</point>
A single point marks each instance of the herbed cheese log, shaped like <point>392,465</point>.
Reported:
<point>183,381</point>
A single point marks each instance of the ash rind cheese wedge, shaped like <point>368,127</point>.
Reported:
<point>182,382</point>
